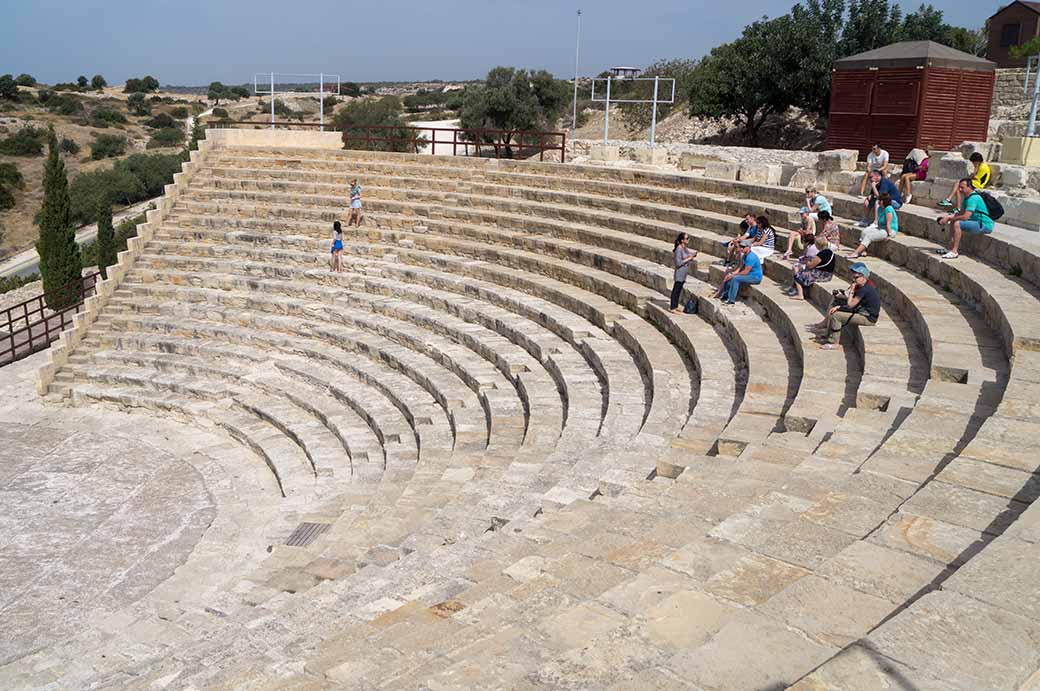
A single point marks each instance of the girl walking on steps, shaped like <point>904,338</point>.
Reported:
<point>337,247</point>
<point>355,204</point>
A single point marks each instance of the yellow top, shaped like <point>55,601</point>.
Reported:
<point>982,176</point>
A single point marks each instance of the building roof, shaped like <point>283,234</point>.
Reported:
<point>916,54</point>
<point>1035,6</point>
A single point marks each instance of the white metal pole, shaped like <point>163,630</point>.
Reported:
<point>653,118</point>
<point>1031,130</point>
<point>606,119</point>
<point>321,101</point>
<point>577,48</point>
<point>272,100</point>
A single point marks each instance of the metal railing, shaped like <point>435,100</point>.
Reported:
<point>37,325</point>
<point>519,144</point>
<point>472,142</point>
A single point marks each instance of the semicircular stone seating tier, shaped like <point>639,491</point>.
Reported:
<point>531,474</point>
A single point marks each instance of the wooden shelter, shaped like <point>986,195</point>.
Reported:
<point>909,94</point>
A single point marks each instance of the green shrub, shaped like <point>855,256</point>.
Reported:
<point>9,176</point>
<point>107,146</point>
<point>135,178</point>
<point>66,86</point>
<point>103,117</point>
<point>161,121</point>
<point>25,80</point>
<point>137,104</point>
<point>143,85</point>
<point>220,113</point>
<point>98,82</point>
<point>28,141</point>
<point>68,146</point>
<point>43,95</point>
<point>6,198</point>
<point>179,112</point>
<point>8,87</point>
<point>167,136</point>
<point>65,104</point>
<point>9,283</point>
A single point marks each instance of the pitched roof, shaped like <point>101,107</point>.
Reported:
<point>914,54</point>
<point>1035,6</point>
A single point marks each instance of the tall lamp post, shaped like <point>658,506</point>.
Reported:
<point>577,47</point>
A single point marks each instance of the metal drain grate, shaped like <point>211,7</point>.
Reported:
<point>306,533</point>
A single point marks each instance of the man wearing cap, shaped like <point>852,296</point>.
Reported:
<point>750,273</point>
<point>862,307</point>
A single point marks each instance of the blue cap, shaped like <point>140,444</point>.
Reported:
<point>860,268</point>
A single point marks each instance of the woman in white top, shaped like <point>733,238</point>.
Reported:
<point>682,255</point>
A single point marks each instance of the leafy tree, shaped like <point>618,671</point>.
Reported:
<point>514,99</point>
<point>59,254</point>
<point>106,238</point>
<point>384,111</point>
<point>871,24</point>
<point>103,117</point>
<point>216,92</point>
<point>107,146</point>
<point>8,87</point>
<point>82,82</point>
<point>350,89</point>
<point>971,41</point>
<point>68,146</point>
<point>180,112</point>
<point>238,92</point>
<point>113,185</point>
<point>640,115</point>
<point>138,104</point>
<point>743,79</point>
<point>98,82</point>
<point>65,104</point>
<point>25,80</point>
<point>198,133</point>
<point>6,198</point>
<point>144,85</point>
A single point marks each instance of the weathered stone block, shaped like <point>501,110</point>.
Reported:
<point>604,152</point>
<point>1013,176</point>
<point>803,177</point>
<point>1022,212</point>
<point>689,160</point>
<point>654,156</point>
<point>989,150</point>
<point>837,160</point>
<point>722,170</point>
<point>764,173</point>
<point>952,167</point>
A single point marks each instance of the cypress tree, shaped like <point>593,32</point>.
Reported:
<point>106,238</point>
<point>59,255</point>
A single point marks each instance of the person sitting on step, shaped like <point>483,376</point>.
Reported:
<point>915,168</point>
<point>337,246</point>
<point>748,231</point>
<point>829,230</point>
<point>749,273</point>
<point>798,241</point>
<point>682,255</point>
<point>980,178</point>
<point>816,269</point>
<point>877,159</point>
<point>355,204</point>
<point>974,219</point>
<point>859,305</point>
<point>814,204</point>
<point>886,226</point>
<point>879,185</point>
<point>764,241</point>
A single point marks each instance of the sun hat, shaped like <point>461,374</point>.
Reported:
<point>746,243</point>
<point>860,268</point>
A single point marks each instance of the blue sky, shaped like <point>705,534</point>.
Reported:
<point>195,42</point>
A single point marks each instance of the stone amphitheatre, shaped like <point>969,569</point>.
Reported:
<point>486,455</point>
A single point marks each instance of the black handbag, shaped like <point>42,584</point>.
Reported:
<point>690,307</point>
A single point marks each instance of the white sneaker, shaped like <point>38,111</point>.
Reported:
<point>909,198</point>
<point>950,255</point>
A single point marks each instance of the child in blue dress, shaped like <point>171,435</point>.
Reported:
<point>337,247</point>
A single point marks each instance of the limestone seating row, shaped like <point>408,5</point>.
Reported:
<point>583,278</point>
<point>604,357</point>
<point>539,394</point>
<point>582,393</point>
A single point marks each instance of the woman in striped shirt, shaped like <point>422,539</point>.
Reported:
<point>765,241</point>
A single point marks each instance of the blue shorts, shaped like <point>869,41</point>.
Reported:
<point>975,228</point>
<point>337,245</point>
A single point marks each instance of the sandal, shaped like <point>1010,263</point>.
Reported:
<point>830,346</point>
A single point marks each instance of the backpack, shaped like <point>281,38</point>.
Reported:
<point>691,306</point>
<point>910,166</point>
<point>993,207</point>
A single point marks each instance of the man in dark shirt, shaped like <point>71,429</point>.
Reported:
<point>879,185</point>
<point>862,307</point>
